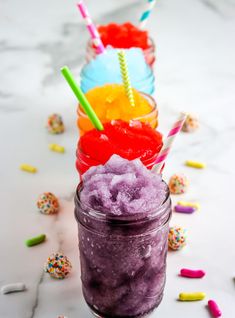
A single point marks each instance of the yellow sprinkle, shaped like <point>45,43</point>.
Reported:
<point>191,296</point>
<point>191,204</point>
<point>28,168</point>
<point>195,164</point>
<point>56,148</point>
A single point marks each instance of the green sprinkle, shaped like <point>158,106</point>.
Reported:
<point>35,240</point>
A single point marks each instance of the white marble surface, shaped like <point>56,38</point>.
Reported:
<point>195,72</point>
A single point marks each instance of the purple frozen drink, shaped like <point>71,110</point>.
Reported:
<point>123,211</point>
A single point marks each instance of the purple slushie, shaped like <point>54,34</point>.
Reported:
<point>123,213</point>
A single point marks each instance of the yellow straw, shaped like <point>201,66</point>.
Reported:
<point>125,77</point>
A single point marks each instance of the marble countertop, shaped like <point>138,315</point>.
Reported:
<point>195,72</point>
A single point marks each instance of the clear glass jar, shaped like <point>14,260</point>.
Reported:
<point>123,260</point>
<point>84,124</point>
<point>84,161</point>
<point>149,53</point>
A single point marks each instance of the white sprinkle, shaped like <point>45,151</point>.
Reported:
<point>11,288</point>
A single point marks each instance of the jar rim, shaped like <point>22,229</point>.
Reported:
<point>122,219</point>
<point>145,95</point>
<point>150,47</point>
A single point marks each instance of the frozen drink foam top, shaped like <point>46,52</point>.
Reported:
<point>122,187</point>
<point>128,140</point>
<point>105,69</point>
<point>124,35</point>
<point>111,102</point>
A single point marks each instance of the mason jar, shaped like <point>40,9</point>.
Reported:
<point>84,124</point>
<point>123,259</point>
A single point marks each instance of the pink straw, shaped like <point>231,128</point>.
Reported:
<point>91,28</point>
<point>168,143</point>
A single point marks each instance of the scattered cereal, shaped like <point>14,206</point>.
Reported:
<point>58,265</point>
<point>48,203</point>
<point>55,124</point>
<point>190,124</point>
<point>178,184</point>
<point>176,238</point>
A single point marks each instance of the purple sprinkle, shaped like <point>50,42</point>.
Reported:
<point>184,209</point>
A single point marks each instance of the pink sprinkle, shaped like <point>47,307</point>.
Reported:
<point>214,309</point>
<point>185,272</point>
<point>184,209</point>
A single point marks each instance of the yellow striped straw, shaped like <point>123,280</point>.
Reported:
<point>125,76</point>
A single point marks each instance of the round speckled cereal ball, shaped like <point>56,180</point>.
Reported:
<point>178,184</point>
<point>176,238</point>
<point>48,203</point>
<point>191,123</point>
<point>58,266</point>
<point>55,124</point>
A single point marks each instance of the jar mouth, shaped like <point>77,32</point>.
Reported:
<point>81,155</point>
<point>149,77</point>
<point>148,97</point>
<point>121,219</point>
<point>151,45</point>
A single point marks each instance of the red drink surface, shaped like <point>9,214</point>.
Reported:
<point>123,36</point>
<point>128,140</point>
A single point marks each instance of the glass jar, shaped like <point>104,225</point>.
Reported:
<point>123,259</point>
<point>149,53</point>
<point>84,161</point>
<point>84,124</point>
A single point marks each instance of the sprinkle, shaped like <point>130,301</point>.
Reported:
<point>185,272</point>
<point>184,209</point>
<point>28,168</point>
<point>11,288</point>
<point>195,164</point>
<point>56,148</point>
<point>192,296</point>
<point>35,240</point>
<point>191,204</point>
<point>214,309</point>
<point>58,265</point>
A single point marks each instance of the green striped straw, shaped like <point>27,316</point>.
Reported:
<point>144,17</point>
<point>125,76</point>
<point>81,98</point>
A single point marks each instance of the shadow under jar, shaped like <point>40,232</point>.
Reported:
<point>123,259</point>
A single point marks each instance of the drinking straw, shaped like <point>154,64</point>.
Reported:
<point>125,76</point>
<point>146,14</point>
<point>81,98</point>
<point>168,143</point>
<point>91,28</point>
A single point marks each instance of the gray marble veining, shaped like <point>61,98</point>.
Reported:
<point>195,72</point>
